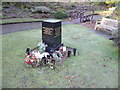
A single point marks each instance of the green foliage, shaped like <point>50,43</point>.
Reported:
<point>1,8</point>
<point>71,6</point>
<point>111,2</point>
<point>60,14</point>
<point>41,9</point>
<point>108,3</point>
<point>100,3</point>
<point>108,17</point>
<point>115,14</point>
<point>18,20</point>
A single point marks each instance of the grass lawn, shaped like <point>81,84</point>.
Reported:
<point>18,20</point>
<point>96,66</point>
<point>21,20</point>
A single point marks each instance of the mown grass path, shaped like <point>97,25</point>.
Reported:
<point>96,66</point>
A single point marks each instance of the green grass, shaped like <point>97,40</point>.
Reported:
<point>17,20</point>
<point>22,20</point>
<point>85,70</point>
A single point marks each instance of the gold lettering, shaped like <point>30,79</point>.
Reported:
<point>57,31</point>
<point>47,31</point>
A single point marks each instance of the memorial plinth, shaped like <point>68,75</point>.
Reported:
<point>53,52</point>
<point>51,34</point>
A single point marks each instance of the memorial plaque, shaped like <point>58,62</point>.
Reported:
<point>51,33</point>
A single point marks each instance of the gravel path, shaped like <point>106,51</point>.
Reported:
<point>10,28</point>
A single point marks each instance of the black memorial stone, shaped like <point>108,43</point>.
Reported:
<point>51,34</point>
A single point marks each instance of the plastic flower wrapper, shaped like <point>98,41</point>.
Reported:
<point>42,47</point>
<point>56,56</point>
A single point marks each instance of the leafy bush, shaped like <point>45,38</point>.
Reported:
<point>115,14</point>
<point>41,9</point>
<point>60,14</point>
<point>73,5</point>
<point>108,17</point>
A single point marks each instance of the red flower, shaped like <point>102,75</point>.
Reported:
<point>28,62</point>
<point>26,58</point>
<point>30,55</point>
<point>34,57</point>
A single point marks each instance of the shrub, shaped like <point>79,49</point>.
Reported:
<point>115,14</point>
<point>60,14</point>
<point>41,9</point>
<point>108,17</point>
<point>73,5</point>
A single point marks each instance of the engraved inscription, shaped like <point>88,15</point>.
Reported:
<point>47,31</point>
<point>57,31</point>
